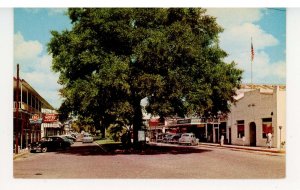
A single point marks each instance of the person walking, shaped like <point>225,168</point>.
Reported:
<point>269,140</point>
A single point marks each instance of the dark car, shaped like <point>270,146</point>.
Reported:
<point>50,143</point>
<point>167,138</point>
<point>69,137</point>
<point>175,138</point>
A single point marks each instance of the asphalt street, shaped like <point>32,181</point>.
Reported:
<point>159,162</point>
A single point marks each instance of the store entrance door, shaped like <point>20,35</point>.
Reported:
<point>217,138</point>
<point>252,134</point>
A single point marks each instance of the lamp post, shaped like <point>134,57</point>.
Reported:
<point>280,127</point>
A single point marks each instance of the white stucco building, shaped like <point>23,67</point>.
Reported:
<point>257,112</point>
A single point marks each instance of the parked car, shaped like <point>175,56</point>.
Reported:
<point>160,137</point>
<point>188,139</point>
<point>74,135</point>
<point>50,143</point>
<point>70,138</point>
<point>175,138</point>
<point>167,138</point>
<point>87,138</point>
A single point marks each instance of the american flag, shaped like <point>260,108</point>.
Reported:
<point>252,51</point>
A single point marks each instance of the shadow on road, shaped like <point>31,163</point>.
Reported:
<point>117,149</point>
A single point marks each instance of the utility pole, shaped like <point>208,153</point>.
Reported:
<point>17,113</point>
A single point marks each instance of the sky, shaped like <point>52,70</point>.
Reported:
<point>266,27</point>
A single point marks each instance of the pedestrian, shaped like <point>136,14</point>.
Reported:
<point>222,140</point>
<point>269,140</point>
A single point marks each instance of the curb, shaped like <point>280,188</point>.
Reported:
<point>20,155</point>
<point>246,148</point>
<point>101,147</point>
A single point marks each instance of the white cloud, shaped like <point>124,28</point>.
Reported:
<point>237,39</point>
<point>239,26</point>
<point>228,17</point>
<point>25,50</point>
<point>35,69</point>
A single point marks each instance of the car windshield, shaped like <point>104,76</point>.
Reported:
<point>185,135</point>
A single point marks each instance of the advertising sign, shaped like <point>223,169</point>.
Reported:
<point>50,118</point>
<point>35,119</point>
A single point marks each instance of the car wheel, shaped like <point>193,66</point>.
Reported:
<point>44,149</point>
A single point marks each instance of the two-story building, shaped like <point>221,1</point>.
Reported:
<point>30,104</point>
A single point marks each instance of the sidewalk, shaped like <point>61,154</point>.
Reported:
<point>253,148</point>
<point>22,152</point>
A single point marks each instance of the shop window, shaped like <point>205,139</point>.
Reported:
<point>24,97</point>
<point>29,99</point>
<point>240,128</point>
<point>266,127</point>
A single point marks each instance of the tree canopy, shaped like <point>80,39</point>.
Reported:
<point>112,58</point>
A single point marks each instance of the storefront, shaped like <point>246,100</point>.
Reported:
<point>257,113</point>
<point>206,130</point>
<point>27,108</point>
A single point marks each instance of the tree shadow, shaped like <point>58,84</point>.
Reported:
<point>118,149</point>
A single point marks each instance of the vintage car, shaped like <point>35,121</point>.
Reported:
<point>50,143</point>
<point>87,138</point>
<point>188,139</point>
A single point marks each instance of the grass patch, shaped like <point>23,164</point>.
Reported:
<point>106,141</point>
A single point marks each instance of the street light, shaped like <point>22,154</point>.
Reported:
<point>280,127</point>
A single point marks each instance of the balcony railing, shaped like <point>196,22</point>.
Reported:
<point>24,107</point>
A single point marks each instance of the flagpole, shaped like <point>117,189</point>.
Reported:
<point>251,74</point>
<point>252,56</point>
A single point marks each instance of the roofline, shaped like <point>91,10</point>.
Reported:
<point>45,104</point>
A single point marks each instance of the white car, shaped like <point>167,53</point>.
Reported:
<point>87,138</point>
<point>188,139</point>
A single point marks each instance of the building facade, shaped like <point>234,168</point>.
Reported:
<point>27,108</point>
<point>258,110</point>
<point>256,113</point>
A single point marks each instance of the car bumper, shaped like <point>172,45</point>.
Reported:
<point>35,149</point>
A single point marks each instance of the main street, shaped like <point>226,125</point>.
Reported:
<point>164,162</point>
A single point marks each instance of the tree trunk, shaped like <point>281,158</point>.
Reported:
<point>137,120</point>
<point>99,126</point>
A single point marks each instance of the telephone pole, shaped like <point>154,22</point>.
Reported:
<point>17,113</point>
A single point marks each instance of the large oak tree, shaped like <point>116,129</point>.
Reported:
<point>113,58</point>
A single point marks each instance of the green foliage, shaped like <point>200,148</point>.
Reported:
<point>115,131</point>
<point>84,124</point>
<point>113,58</point>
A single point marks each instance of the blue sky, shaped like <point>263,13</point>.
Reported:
<point>267,27</point>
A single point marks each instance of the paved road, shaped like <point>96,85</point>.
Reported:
<point>203,162</point>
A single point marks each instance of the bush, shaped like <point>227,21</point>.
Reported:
<point>115,132</point>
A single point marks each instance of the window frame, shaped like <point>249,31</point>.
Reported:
<point>266,127</point>
<point>240,124</point>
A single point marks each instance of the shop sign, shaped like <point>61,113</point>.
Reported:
<point>197,121</point>
<point>50,118</point>
<point>153,122</point>
<point>183,121</point>
<point>35,119</point>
